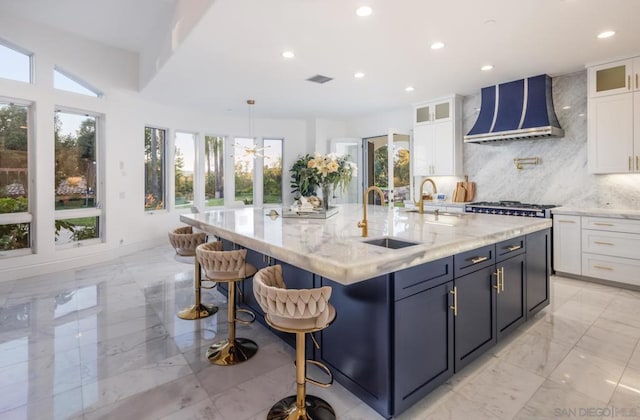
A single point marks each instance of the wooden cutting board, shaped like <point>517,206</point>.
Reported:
<point>470,189</point>
<point>459,193</point>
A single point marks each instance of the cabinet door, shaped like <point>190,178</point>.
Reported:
<point>423,114</point>
<point>422,150</point>
<point>443,149</point>
<point>423,325</point>
<point>567,249</point>
<point>511,307</point>
<point>610,78</point>
<point>442,111</point>
<point>636,128</point>
<point>474,323</point>
<point>538,265</point>
<point>611,134</point>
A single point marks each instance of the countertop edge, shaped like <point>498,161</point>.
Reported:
<point>598,212</point>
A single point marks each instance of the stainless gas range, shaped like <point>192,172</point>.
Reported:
<point>510,208</point>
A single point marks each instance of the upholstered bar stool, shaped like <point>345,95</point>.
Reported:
<point>298,311</point>
<point>185,242</point>
<point>231,267</point>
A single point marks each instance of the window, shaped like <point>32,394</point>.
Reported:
<point>272,171</point>
<point>243,164</point>
<point>15,219</point>
<point>214,171</point>
<point>154,168</point>
<point>76,183</point>
<point>14,63</point>
<point>184,162</point>
<point>63,80</point>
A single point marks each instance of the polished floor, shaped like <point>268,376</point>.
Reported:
<point>104,343</point>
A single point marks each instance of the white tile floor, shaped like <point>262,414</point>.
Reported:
<point>104,342</point>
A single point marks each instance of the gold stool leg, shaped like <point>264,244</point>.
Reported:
<point>198,310</point>
<point>232,350</point>
<point>301,406</point>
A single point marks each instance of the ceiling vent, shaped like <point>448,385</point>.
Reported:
<point>318,78</point>
<point>522,109</point>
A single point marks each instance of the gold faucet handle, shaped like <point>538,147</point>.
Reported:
<point>362,223</point>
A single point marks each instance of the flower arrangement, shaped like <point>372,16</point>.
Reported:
<point>321,170</point>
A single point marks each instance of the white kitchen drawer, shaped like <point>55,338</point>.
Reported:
<point>622,270</point>
<point>611,224</point>
<point>455,209</point>
<point>616,244</point>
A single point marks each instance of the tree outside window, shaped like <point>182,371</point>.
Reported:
<point>154,168</point>
<point>214,170</point>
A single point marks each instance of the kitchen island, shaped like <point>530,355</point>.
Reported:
<point>408,318</point>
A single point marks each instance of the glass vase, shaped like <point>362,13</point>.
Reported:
<point>326,193</point>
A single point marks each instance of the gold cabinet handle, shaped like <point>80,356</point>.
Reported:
<point>566,221</point>
<point>512,248</point>
<point>637,165</point>
<point>637,84</point>
<point>502,277</point>
<point>630,164</point>
<point>629,82</point>
<point>603,267</point>
<point>476,260</point>
<point>603,243</point>
<point>497,285</point>
<point>602,224</point>
<point>454,308</point>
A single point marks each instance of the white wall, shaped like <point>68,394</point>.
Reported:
<point>126,113</point>
<point>379,124</point>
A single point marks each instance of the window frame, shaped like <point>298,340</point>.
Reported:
<point>98,210</point>
<point>97,93</point>
<point>225,177</point>
<point>166,177</point>
<point>12,46</point>
<point>23,217</point>
<point>196,171</point>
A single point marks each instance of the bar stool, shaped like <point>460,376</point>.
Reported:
<point>231,267</point>
<point>185,242</point>
<point>298,311</point>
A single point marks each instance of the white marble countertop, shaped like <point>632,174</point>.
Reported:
<point>334,248</point>
<point>598,212</point>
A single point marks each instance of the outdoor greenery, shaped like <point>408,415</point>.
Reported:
<point>272,183</point>
<point>183,182</point>
<point>214,171</point>
<point>154,148</point>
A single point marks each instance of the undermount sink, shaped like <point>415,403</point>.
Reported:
<point>435,212</point>
<point>390,243</point>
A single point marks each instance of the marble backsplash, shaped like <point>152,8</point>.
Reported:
<point>562,177</point>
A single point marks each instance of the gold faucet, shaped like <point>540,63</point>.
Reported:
<point>363,224</point>
<point>420,203</point>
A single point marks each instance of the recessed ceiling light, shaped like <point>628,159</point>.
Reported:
<point>486,67</point>
<point>358,75</point>
<point>409,89</point>
<point>363,11</point>
<point>566,107</point>
<point>606,34</point>
<point>437,45</point>
<point>288,54</point>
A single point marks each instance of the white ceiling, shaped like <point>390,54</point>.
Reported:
<point>234,53</point>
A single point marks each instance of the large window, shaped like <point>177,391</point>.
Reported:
<point>76,182</point>
<point>14,63</point>
<point>154,168</point>
<point>243,163</point>
<point>15,226</point>
<point>272,171</point>
<point>184,165</point>
<point>214,171</point>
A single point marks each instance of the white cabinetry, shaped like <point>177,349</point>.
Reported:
<point>614,117</point>
<point>567,253</point>
<point>437,137</point>
<point>600,247</point>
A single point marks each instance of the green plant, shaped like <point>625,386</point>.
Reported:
<point>13,205</point>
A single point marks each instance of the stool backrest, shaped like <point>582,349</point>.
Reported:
<point>274,298</point>
<point>215,261</point>
<point>184,241</point>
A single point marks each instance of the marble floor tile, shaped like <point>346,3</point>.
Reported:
<point>608,344</point>
<point>553,401</point>
<point>588,374</point>
<point>536,353</point>
<point>502,388</point>
<point>104,342</point>
<point>625,401</point>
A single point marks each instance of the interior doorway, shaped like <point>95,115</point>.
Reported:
<point>391,172</point>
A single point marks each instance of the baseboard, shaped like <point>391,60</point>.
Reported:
<point>612,283</point>
<point>29,265</point>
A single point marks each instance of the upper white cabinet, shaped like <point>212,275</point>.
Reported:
<point>614,117</point>
<point>437,137</point>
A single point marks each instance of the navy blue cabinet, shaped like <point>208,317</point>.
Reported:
<point>510,294</point>
<point>538,270</point>
<point>423,344</point>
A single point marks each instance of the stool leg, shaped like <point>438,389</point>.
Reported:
<point>301,406</point>
<point>198,310</point>
<point>233,350</point>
